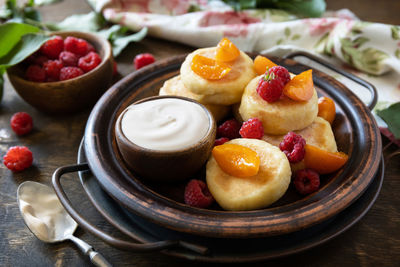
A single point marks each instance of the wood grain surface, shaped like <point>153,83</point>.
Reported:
<point>375,240</point>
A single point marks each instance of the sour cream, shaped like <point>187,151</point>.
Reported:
<point>165,124</point>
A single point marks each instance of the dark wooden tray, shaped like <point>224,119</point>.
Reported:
<point>355,130</point>
<point>228,250</point>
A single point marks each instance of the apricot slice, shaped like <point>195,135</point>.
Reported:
<point>301,87</point>
<point>237,160</point>
<point>262,64</point>
<point>326,109</point>
<point>323,161</point>
<point>209,68</point>
<point>226,51</point>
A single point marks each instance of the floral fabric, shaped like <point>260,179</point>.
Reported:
<point>368,50</point>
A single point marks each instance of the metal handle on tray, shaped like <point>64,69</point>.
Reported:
<point>120,244</point>
<point>370,87</point>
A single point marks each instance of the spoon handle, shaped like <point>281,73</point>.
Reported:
<point>95,257</point>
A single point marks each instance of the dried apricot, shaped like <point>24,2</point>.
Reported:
<point>226,51</point>
<point>237,160</point>
<point>323,161</point>
<point>262,64</point>
<point>209,68</point>
<point>300,87</point>
<point>326,109</point>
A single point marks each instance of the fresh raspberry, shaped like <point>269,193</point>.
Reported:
<point>67,73</point>
<point>197,194</point>
<point>76,45</point>
<point>229,129</point>
<point>18,158</point>
<point>270,89</point>
<point>40,60</point>
<point>252,128</point>
<point>115,68</point>
<point>280,72</point>
<point>220,141</point>
<point>35,73</point>
<point>142,60</point>
<point>293,147</point>
<point>52,69</point>
<point>90,48</point>
<point>306,181</point>
<point>68,58</point>
<point>53,47</point>
<point>89,62</point>
<point>21,123</point>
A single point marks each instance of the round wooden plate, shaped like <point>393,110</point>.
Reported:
<point>356,134</point>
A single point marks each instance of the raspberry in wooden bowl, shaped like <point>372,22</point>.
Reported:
<point>67,74</point>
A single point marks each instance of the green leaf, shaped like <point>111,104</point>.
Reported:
<point>1,83</point>
<point>11,33</point>
<point>279,41</point>
<point>391,116</point>
<point>287,32</point>
<point>28,44</point>
<point>395,32</point>
<point>90,22</point>
<point>308,8</point>
<point>121,42</point>
<point>45,2</point>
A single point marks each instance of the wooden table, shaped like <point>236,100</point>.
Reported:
<point>375,240</point>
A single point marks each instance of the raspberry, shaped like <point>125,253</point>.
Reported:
<point>90,48</point>
<point>53,47</point>
<point>18,158</point>
<point>270,89</point>
<point>229,129</point>
<point>67,73</point>
<point>40,60</point>
<point>197,194</point>
<point>306,181</point>
<point>293,147</point>
<point>68,58</point>
<point>115,68</point>
<point>52,69</point>
<point>280,72</point>
<point>252,128</point>
<point>35,73</point>
<point>220,141</point>
<point>76,45</point>
<point>89,62</point>
<point>21,123</point>
<point>142,60</point>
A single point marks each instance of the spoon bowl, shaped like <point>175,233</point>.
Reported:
<point>47,219</point>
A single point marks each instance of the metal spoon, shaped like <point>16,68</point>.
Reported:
<point>47,219</point>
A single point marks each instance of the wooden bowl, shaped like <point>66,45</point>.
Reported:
<point>355,131</point>
<point>166,166</point>
<point>70,95</point>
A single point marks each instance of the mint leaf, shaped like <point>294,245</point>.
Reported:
<point>11,33</point>
<point>308,8</point>
<point>45,2</point>
<point>28,44</point>
<point>90,22</point>
<point>117,38</point>
<point>391,116</point>
<point>2,70</point>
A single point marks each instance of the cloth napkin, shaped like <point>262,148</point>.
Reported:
<point>368,50</point>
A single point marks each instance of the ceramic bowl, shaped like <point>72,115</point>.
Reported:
<point>70,95</point>
<point>166,166</point>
